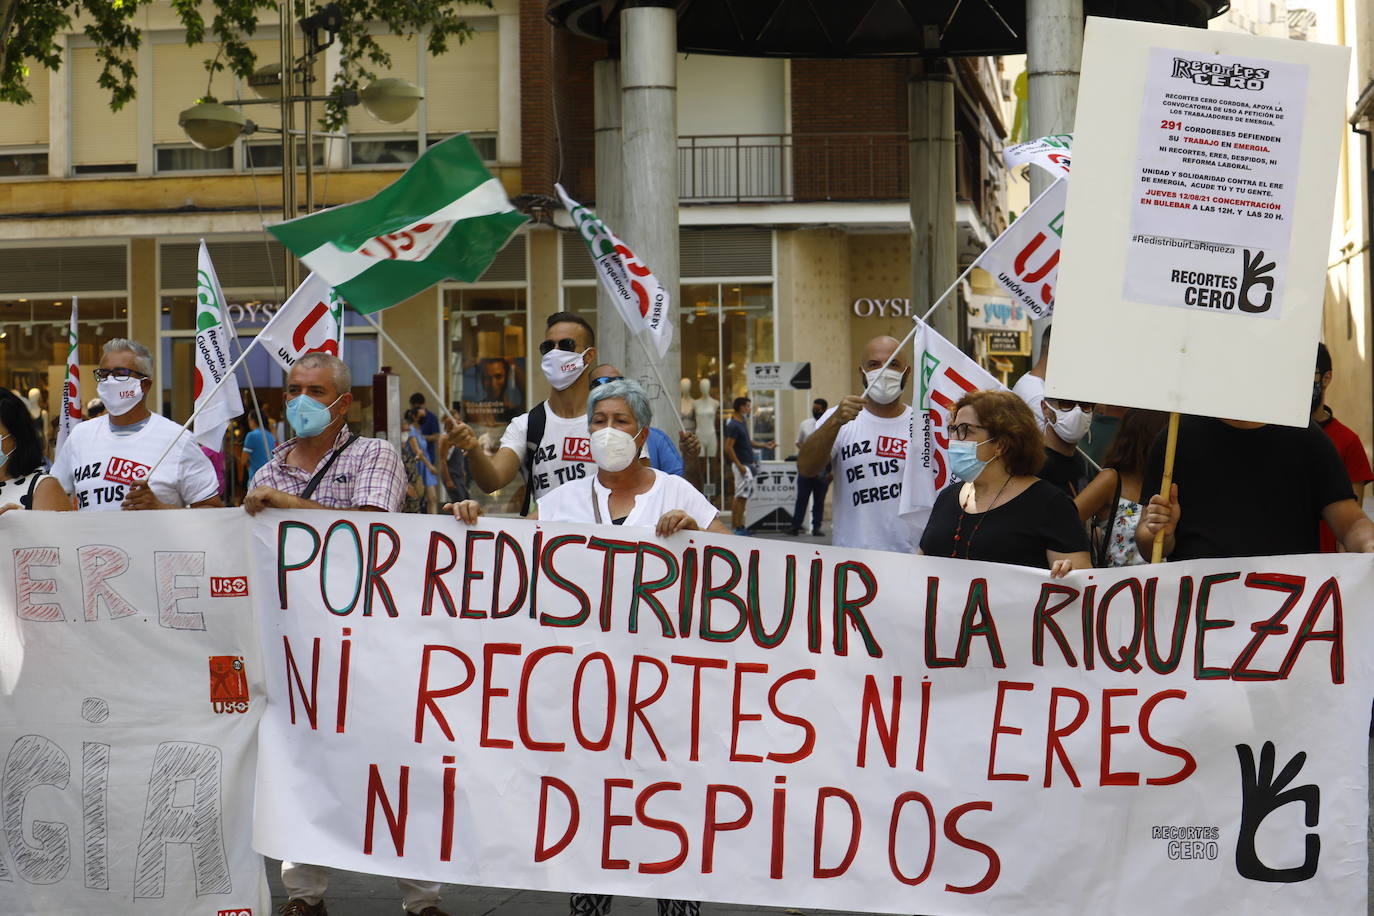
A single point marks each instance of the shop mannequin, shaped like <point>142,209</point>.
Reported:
<point>685,408</point>
<point>707,412</point>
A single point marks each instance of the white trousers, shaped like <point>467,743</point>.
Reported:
<point>309,882</point>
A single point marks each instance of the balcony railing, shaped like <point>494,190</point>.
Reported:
<point>793,167</point>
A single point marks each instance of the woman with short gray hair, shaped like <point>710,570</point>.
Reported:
<point>624,490</point>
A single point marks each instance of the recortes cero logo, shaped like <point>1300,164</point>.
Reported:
<point>1226,76</point>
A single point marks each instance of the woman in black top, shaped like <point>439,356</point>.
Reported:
<point>1003,513</point>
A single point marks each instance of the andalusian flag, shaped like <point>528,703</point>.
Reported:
<point>216,404</point>
<point>444,219</point>
<point>71,388</point>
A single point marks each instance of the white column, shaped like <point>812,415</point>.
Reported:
<point>508,89</point>
<point>611,337</point>
<point>934,252</point>
<point>335,151</point>
<point>143,107</point>
<point>648,75</point>
<point>1054,56</point>
<point>60,113</point>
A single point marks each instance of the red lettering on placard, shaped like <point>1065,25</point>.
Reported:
<point>228,586</point>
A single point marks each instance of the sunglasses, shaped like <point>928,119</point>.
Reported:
<point>604,379</point>
<point>567,343</point>
<point>120,373</point>
<point>1060,404</point>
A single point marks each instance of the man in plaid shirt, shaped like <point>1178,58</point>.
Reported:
<point>366,473</point>
<point>326,467</point>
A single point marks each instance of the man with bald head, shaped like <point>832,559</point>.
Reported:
<point>866,440</point>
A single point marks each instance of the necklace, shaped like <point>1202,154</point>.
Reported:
<point>959,527</point>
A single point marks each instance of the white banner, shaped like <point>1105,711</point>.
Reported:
<point>1199,220</point>
<point>215,404</point>
<point>1052,153</point>
<point>130,692</point>
<point>311,321</point>
<point>640,299</point>
<point>568,708</point>
<point>1024,260</point>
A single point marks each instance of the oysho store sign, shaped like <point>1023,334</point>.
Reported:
<point>882,308</point>
<point>252,313</point>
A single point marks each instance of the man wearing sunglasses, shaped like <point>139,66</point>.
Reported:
<point>549,444</point>
<point>106,462</point>
<point>1065,425</point>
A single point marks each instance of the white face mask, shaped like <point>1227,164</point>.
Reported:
<point>1072,424</point>
<point>888,386</point>
<point>613,449</point>
<point>120,395</point>
<point>562,368</point>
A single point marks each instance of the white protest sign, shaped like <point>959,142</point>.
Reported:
<point>130,692</point>
<point>1198,219</point>
<point>571,708</point>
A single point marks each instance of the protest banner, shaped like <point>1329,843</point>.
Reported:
<point>572,708</point>
<point>130,692</point>
<point>310,321</point>
<point>1024,260</point>
<point>1197,220</point>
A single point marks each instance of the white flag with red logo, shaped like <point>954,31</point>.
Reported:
<point>944,374</point>
<point>216,404</point>
<point>1024,260</point>
<point>642,301</point>
<point>311,321</point>
<point>71,387</point>
<point>1052,153</point>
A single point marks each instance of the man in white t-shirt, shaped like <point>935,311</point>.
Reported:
<point>1031,386</point>
<point>105,463</point>
<point>563,452</point>
<point>866,441</point>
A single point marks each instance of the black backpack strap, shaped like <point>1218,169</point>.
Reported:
<point>319,475</point>
<point>534,437</point>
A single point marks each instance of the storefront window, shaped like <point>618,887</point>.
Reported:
<point>33,340</point>
<point>486,330</point>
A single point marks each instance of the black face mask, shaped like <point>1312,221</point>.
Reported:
<point>817,412</point>
<point>1316,395</point>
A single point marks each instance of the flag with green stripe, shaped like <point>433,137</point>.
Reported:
<point>444,219</point>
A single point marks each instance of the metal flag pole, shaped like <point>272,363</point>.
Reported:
<point>916,324</point>
<point>438,398</point>
<point>653,364</point>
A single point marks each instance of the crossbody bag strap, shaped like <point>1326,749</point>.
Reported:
<point>1100,560</point>
<point>319,475</point>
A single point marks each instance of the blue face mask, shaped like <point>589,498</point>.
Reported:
<point>964,460</point>
<point>307,416</point>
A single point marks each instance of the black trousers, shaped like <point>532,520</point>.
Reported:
<point>812,488</point>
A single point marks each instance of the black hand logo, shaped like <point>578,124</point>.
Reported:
<point>1256,274</point>
<point>1261,795</point>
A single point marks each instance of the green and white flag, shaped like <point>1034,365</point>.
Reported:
<point>216,403</point>
<point>444,219</point>
<point>640,299</point>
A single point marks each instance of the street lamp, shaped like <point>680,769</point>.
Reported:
<point>214,125</point>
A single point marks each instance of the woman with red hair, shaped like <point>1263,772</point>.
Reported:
<point>1002,512</point>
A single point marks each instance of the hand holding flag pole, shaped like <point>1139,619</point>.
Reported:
<point>916,323</point>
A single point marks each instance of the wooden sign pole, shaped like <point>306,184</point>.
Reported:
<point>1166,481</point>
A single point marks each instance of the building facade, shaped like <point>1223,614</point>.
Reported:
<point>794,189</point>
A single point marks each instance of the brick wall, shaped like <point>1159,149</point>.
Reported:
<point>555,106</point>
<point>849,124</point>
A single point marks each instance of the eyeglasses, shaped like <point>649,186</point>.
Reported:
<point>567,343</point>
<point>120,373</point>
<point>960,431</point>
<point>1061,404</point>
<point>603,380</point>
